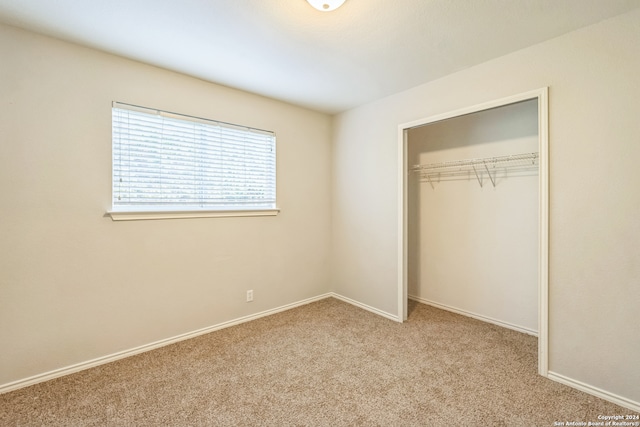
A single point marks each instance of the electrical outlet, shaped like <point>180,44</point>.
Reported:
<point>249,296</point>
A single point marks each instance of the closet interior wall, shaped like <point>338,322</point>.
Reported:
<point>473,248</point>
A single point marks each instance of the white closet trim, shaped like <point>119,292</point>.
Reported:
<point>542,96</point>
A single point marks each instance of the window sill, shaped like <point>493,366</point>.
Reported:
<point>139,216</point>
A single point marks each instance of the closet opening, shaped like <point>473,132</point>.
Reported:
<point>474,214</point>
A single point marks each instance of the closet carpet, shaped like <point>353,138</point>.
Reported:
<point>323,364</point>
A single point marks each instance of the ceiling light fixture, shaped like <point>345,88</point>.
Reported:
<point>326,5</point>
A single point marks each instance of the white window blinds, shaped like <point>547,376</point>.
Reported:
<point>169,162</point>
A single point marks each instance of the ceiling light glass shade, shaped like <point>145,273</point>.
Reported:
<point>326,5</point>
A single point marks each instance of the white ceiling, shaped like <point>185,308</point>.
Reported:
<point>284,49</point>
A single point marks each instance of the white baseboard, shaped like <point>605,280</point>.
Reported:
<point>476,316</point>
<point>5,388</point>
<point>365,307</point>
<point>595,391</point>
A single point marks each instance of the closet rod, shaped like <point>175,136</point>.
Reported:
<point>436,171</point>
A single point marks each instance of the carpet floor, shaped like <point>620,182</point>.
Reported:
<point>323,364</point>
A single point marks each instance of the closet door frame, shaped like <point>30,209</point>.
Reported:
<point>542,96</point>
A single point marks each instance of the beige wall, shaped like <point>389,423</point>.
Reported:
<point>74,285</point>
<point>594,278</point>
<point>475,248</point>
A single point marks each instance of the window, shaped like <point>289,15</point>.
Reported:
<point>165,162</point>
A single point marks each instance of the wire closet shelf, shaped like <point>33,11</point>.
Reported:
<point>459,169</point>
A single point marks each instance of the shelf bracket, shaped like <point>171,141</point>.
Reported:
<point>477,176</point>
<point>430,182</point>
<point>493,180</point>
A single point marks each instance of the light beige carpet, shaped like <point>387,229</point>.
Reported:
<point>323,364</point>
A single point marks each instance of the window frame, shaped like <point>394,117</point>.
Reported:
<point>176,212</point>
